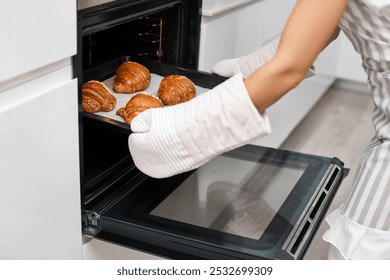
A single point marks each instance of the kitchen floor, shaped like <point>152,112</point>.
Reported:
<point>338,126</point>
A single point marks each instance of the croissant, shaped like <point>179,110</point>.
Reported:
<point>131,77</point>
<point>174,89</point>
<point>137,104</point>
<point>97,97</point>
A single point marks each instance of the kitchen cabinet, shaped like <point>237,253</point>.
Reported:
<point>34,34</point>
<point>39,146</point>
<point>234,28</point>
<point>95,249</point>
<point>229,30</point>
<point>275,17</point>
<point>39,193</point>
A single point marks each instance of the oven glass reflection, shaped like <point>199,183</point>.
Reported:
<point>232,195</point>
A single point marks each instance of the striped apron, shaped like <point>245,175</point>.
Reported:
<point>360,228</point>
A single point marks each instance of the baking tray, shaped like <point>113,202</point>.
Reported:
<point>123,98</point>
<point>105,73</point>
<point>203,82</point>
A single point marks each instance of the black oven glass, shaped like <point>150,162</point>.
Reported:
<point>247,203</point>
<point>232,195</point>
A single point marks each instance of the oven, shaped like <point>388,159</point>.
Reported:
<point>250,203</point>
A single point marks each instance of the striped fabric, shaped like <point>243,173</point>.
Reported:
<point>360,228</point>
<point>369,31</point>
<point>382,5</point>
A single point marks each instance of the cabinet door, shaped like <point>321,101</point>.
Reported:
<point>95,249</point>
<point>276,17</point>
<point>39,163</point>
<point>231,33</point>
<point>34,34</point>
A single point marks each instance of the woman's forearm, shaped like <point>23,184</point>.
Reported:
<point>310,28</point>
<point>269,83</point>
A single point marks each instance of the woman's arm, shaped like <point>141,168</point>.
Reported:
<point>312,25</point>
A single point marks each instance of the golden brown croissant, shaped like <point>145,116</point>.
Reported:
<point>97,97</point>
<point>137,104</point>
<point>176,89</point>
<point>131,77</point>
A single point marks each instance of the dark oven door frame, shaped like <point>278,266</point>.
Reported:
<point>95,19</point>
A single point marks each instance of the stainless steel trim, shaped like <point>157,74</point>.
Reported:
<point>83,4</point>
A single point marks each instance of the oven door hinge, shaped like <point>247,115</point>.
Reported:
<point>90,222</point>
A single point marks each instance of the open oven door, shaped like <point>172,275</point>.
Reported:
<point>250,203</point>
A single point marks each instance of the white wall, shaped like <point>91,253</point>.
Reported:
<point>349,66</point>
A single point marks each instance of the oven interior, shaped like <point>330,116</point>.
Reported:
<point>164,31</point>
<point>158,32</point>
<point>156,37</point>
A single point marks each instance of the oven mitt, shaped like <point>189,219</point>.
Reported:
<point>175,139</point>
<point>249,63</point>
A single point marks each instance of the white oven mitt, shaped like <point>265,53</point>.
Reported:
<point>171,140</point>
<point>249,63</point>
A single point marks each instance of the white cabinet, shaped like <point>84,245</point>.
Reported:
<point>39,182</point>
<point>39,146</point>
<point>276,16</point>
<point>34,34</point>
<point>233,28</point>
<point>229,29</point>
<point>94,249</point>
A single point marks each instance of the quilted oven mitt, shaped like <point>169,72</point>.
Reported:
<point>175,139</point>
